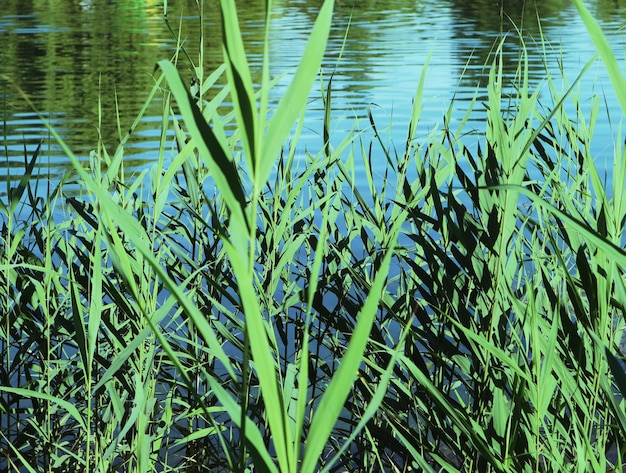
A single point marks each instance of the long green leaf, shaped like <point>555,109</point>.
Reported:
<point>336,393</point>
<point>606,53</point>
<point>295,98</point>
<point>378,395</point>
<point>219,160</point>
<point>29,393</point>
<point>253,435</point>
<point>17,453</point>
<point>240,80</point>
<point>591,236</point>
<point>264,362</point>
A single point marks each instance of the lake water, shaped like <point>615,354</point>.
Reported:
<point>83,63</point>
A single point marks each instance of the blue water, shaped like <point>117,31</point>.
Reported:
<point>84,65</point>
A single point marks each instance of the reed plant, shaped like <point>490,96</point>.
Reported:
<point>243,305</point>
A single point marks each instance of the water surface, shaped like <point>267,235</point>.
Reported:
<point>88,64</point>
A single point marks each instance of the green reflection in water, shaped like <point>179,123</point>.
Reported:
<point>69,54</point>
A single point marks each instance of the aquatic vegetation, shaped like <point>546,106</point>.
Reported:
<point>245,306</point>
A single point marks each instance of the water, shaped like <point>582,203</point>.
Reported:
<point>84,63</point>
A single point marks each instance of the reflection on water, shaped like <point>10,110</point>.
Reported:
<point>86,63</point>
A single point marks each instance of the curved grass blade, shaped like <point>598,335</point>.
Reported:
<point>17,453</point>
<point>590,235</point>
<point>378,395</point>
<point>340,385</point>
<point>219,161</point>
<point>29,393</point>
<point>15,193</point>
<point>241,80</point>
<point>294,100</point>
<point>253,435</point>
<point>79,327</point>
<point>266,367</point>
<point>605,52</point>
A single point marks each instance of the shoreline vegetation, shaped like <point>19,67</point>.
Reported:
<point>240,306</point>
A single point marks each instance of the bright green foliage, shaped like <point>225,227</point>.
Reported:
<point>239,308</point>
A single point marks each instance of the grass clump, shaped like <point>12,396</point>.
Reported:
<point>238,307</point>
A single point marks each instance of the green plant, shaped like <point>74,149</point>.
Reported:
<point>238,308</point>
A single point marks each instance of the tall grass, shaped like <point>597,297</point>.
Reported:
<point>238,307</point>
